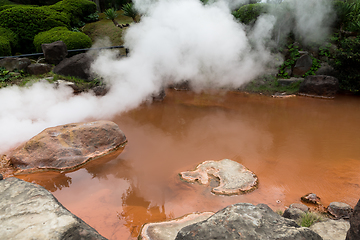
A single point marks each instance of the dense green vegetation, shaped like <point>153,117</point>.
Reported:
<point>72,40</point>
<point>23,28</point>
<point>340,50</point>
<point>27,21</point>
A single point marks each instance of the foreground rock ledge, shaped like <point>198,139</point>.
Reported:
<point>67,147</point>
<point>168,230</point>
<point>234,177</point>
<point>29,211</point>
<point>246,221</point>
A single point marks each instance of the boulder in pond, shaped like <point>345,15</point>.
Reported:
<point>29,211</point>
<point>234,178</point>
<point>311,198</point>
<point>67,147</point>
<point>319,86</point>
<point>246,221</point>
<point>354,231</point>
<point>168,230</point>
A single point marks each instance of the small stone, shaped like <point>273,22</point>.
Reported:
<point>311,198</point>
<point>293,213</point>
<point>300,206</point>
<point>339,210</point>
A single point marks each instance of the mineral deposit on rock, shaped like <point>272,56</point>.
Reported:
<point>29,211</point>
<point>234,178</point>
<point>168,230</point>
<point>67,147</point>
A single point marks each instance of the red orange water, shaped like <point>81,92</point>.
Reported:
<point>294,145</point>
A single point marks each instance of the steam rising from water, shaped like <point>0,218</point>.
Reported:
<point>175,41</point>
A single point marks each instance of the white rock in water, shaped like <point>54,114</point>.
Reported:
<point>234,177</point>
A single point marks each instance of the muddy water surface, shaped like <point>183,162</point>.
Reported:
<point>294,145</point>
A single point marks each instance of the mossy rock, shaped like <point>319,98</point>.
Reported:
<point>27,21</point>
<point>72,40</point>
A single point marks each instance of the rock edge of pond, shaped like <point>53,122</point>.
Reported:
<point>67,147</point>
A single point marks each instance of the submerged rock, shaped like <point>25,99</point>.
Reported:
<point>311,198</point>
<point>29,211</point>
<point>168,230</point>
<point>331,229</point>
<point>246,221</point>
<point>67,147</point>
<point>234,177</point>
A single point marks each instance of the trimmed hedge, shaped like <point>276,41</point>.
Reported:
<point>72,40</point>
<point>26,22</point>
<point>10,36</point>
<point>5,49</point>
<point>77,10</point>
<point>250,12</point>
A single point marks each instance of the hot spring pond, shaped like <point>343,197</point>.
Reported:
<point>294,145</point>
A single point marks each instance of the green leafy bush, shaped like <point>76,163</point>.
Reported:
<point>130,11</point>
<point>93,17</point>
<point>26,22</point>
<point>77,10</point>
<point>5,48</point>
<point>248,14</point>
<point>309,218</point>
<point>347,62</point>
<point>72,40</point>
<point>10,36</point>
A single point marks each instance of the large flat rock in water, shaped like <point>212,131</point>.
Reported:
<point>67,147</point>
<point>234,178</point>
<point>247,222</point>
<point>29,211</point>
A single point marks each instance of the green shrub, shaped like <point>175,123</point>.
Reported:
<point>347,62</point>
<point>10,36</point>
<point>26,22</point>
<point>77,10</point>
<point>72,40</point>
<point>308,219</point>
<point>5,48</point>
<point>248,13</point>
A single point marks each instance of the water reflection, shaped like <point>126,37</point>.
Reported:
<point>52,181</point>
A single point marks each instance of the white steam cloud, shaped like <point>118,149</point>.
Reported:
<point>175,41</point>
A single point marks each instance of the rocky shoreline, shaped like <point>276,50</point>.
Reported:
<point>29,211</point>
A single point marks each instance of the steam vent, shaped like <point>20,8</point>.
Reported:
<point>234,178</point>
